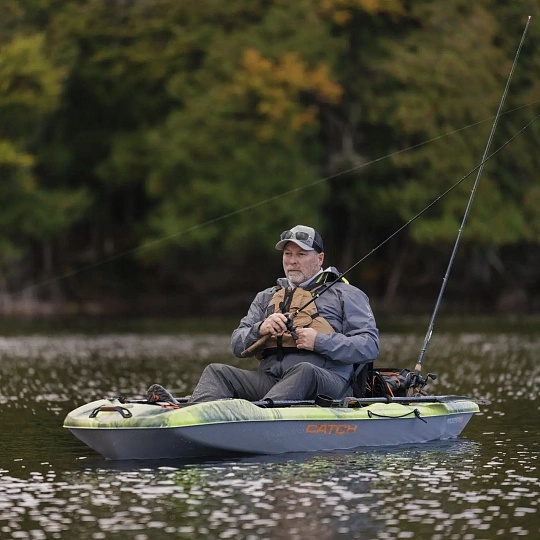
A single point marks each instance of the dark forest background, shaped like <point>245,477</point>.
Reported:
<point>152,151</point>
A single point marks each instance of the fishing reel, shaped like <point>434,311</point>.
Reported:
<point>290,328</point>
<point>416,383</point>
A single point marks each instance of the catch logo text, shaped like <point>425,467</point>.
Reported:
<point>331,429</point>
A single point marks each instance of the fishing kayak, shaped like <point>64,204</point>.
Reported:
<point>118,429</point>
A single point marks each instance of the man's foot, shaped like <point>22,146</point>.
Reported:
<point>157,393</point>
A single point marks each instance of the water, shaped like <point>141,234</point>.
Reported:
<point>484,485</point>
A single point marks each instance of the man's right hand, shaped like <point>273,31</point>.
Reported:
<point>273,324</point>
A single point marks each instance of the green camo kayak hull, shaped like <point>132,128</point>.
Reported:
<point>141,431</point>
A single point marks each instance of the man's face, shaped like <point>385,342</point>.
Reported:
<point>299,264</point>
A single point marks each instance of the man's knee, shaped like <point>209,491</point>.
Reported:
<point>218,369</point>
<point>215,383</point>
<point>304,369</point>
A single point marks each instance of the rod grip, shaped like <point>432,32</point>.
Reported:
<point>259,343</point>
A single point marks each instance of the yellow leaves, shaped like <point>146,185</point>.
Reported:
<point>342,17</point>
<point>287,72</point>
<point>254,62</point>
<point>304,118</point>
<point>320,78</point>
<point>281,88</point>
<point>341,11</point>
<point>379,6</point>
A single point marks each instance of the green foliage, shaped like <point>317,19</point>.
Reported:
<point>30,89</point>
<point>449,72</point>
<point>174,125</point>
<point>225,113</point>
<point>30,84</point>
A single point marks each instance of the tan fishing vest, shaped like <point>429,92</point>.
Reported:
<point>288,300</point>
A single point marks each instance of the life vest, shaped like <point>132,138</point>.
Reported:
<point>289,300</point>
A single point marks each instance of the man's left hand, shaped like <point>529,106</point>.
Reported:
<point>306,338</point>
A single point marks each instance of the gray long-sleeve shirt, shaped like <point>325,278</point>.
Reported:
<point>346,308</point>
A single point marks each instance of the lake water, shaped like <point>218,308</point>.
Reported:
<point>484,485</point>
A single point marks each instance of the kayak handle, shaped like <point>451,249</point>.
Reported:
<point>109,408</point>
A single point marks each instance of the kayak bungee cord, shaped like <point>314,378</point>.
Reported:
<point>417,382</point>
<point>223,217</point>
<point>291,316</point>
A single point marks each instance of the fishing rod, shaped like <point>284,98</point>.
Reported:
<point>417,381</point>
<point>320,401</point>
<point>260,342</point>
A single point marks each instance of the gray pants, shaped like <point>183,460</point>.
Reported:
<point>301,381</point>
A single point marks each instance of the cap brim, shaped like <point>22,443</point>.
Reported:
<point>282,243</point>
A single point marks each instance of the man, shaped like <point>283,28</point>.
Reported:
<point>334,333</point>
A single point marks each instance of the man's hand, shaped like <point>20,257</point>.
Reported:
<point>306,338</point>
<point>274,324</point>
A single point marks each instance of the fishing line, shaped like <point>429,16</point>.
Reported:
<point>444,193</point>
<point>261,341</point>
<point>417,381</point>
<point>223,217</point>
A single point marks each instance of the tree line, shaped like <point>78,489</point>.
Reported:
<point>155,149</point>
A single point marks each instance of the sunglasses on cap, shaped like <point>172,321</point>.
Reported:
<point>302,237</point>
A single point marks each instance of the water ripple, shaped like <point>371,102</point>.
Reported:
<point>484,486</point>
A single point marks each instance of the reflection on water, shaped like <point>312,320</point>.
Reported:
<point>482,486</point>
